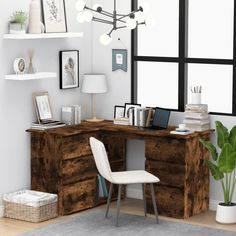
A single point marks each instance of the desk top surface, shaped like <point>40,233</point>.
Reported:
<point>109,127</point>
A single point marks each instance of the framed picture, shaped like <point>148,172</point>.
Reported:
<point>69,69</point>
<point>54,16</point>
<point>119,59</point>
<point>119,112</point>
<point>129,106</point>
<point>43,107</point>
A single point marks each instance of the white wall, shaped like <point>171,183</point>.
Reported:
<point>17,111</point>
<point>120,92</point>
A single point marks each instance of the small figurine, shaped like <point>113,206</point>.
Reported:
<point>31,69</point>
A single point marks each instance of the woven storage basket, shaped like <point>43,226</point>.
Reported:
<point>30,206</point>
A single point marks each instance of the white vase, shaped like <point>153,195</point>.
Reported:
<point>196,98</point>
<point>226,214</point>
<point>35,25</point>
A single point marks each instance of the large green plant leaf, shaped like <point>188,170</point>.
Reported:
<point>222,134</point>
<point>227,159</point>
<point>232,137</point>
<point>211,148</point>
<point>216,173</point>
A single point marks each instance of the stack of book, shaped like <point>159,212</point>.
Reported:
<point>101,187</point>
<point>71,115</point>
<point>49,125</point>
<point>196,117</point>
<point>121,121</point>
<point>141,116</point>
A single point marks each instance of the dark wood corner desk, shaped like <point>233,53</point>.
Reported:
<point>62,163</point>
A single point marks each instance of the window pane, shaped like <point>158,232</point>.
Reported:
<point>216,82</point>
<point>162,39</point>
<point>211,28</point>
<point>158,84</point>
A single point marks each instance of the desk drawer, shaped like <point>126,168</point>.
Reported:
<point>77,197</point>
<point>77,169</point>
<point>115,147</point>
<point>167,150</point>
<point>169,174</point>
<point>170,201</point>
<point>76,146</point>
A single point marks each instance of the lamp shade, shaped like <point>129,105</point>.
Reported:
<point>94,83</point>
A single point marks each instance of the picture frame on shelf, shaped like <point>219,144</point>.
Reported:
<point>43,107</point>
<point>129,106</point>
<point>69,69</point>
<point>54,16</point>
<point>119,59</point>
<point>119,112</point>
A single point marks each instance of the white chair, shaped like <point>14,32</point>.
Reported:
<point>121,178</point>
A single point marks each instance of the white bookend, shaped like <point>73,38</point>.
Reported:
<point>77,114</point>
<point>136,116</point>
<point>67,114</point>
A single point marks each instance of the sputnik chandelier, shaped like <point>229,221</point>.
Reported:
<point>117,21</point>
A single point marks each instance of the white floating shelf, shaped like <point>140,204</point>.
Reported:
<point>24,77</point>
<point>44,36</point>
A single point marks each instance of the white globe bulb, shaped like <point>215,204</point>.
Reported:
<point>88,16</point>
<point>150,22</point>
<point>96,6</point>
<point>105,39</point>
<point>80,17</point>
<point>139,16</point>
<point>80,5</point>
<point>146,7</point>
<point>131,24</point>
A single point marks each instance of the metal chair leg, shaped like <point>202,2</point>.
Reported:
<point>118,205</point>
<point>109,200</point>
<point>154,203</point>
<point>144,200</point>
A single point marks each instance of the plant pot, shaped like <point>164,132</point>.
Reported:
<point>226,214</point>
<point>15,28</point>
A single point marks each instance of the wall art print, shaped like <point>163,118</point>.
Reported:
<point>69,69</point>
<point>54,16</point>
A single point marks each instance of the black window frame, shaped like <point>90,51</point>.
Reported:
<point>183,60</point>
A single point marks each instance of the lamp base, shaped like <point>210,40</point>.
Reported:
<point>94,120</point>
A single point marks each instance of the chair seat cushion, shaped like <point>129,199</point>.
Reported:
<point>133,177</point>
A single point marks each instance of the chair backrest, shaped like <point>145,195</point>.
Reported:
<point>101,159</point>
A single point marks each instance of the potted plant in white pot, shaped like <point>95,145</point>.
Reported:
<point>222,167</point>
<point>18,23</point>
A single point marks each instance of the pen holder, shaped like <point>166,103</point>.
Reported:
<point>196,98</point>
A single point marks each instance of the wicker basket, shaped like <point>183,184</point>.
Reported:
<point>41,207</point>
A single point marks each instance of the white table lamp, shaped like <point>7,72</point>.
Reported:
<point>94,83</point>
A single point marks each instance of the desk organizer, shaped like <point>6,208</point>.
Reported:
<point>30,206</point>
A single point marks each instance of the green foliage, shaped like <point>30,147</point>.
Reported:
<point>222,134</point>
<point>223,164</point>
<point>227,159</point>
<point>232,137</point>
<point>19,17</point>
<point>211,148</point>
<point>216,173</point>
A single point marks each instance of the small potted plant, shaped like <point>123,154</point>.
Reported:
<point>18,23</point>
<point>222,167</point>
